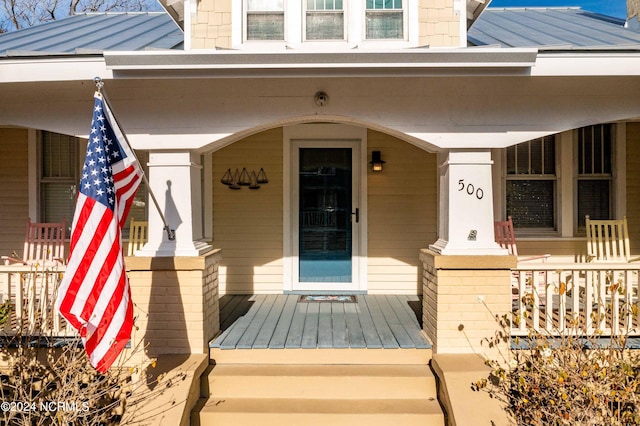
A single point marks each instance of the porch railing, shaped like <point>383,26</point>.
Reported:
<point>593,299</point>
<point>27,297</point>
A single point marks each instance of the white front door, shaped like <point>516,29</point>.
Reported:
<point>325,215</point>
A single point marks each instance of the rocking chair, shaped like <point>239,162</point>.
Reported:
<point>138,235</point>
<point>43,245</point>
<point>505,237</point>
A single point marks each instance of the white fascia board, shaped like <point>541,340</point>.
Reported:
<point>40,69</point>
<point>609,64</point>
<point>518,61</point>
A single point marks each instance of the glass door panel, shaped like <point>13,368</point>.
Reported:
<point>325,206</point>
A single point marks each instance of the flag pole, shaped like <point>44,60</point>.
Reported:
<point>171,233</point>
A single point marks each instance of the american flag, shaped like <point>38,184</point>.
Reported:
<point>94,295</point>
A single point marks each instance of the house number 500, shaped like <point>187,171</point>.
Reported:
<point>471,189</point>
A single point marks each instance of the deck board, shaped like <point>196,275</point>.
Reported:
<point>294,339</point>
<point>338,326</point>
<point>380,323</point>
<point>281,331</point>
<point>282,322</point>
<point>398,330</point>
<point>240,326</point>
<point>407,322</point>
<point>310,333</point>
<point>354,327</point>
<point>325,328</point>
<point>251,332</point>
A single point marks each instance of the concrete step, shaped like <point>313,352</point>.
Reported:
<point>322,381</point>
<point>411,356</point>
<point>321,412</point>
<point>324,394</point>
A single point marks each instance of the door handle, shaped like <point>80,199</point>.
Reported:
<point>357,214</point>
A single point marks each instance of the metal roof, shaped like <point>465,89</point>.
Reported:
<point>567,28</point>
<point>93,33</point>
<point>543,28</point>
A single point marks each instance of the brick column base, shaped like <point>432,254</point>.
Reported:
<point>461,297</point>
<point>175,303</point>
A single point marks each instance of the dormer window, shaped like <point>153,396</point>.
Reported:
<point>324,20</point>
<point>265,20</point>
<point>384,20</point>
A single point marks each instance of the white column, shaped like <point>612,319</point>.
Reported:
<point>466,204</point>
<point>175,179</point>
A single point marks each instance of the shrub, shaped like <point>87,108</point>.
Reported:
<point>46,380</point>
<point>565,378</point>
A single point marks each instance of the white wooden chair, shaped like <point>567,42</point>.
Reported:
<point>138,235</point>
<point>43,245</point>
<point>608,241</point>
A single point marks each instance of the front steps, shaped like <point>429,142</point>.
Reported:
<point>322,394</point>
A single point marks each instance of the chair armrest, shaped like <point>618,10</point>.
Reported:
<point>634,259</point>
<point>544,258</point>
<point>8,260</point>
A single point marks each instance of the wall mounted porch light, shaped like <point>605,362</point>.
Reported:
<point>376,161</point>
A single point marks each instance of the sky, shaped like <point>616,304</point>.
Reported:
<point>617,8</point>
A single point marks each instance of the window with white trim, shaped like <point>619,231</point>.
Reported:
<point>594,183</point>
<point>58,176</point>
<point>334,21</point>
<point>384,20</point>
<point>324,20</point>
<point>531,184</point>
<point>264,20</point>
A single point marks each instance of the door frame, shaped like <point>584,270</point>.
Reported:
<point>329,135</point>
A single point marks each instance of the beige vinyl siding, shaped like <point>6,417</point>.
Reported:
<point>14,190</point>
<point>402,214</point>
<point>560,249</point>
<point>247,224</point>
<point>633,185</point>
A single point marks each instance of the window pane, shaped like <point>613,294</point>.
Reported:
<point>59,155</point>
<point>522,158</point>
<point>325,26</point>
<point>384,25</point>
<point>593,200</point>
<point>511,160</point>
<point>535,161</point>
<point>531,203</point>
<point>57,202</point>
<point>265,26</point>
<point>536,157</point>
<point>549,156</point>
<point>265,5</point>
<point>594,149</point>
<point>384,4</point>
<point>324,5</point>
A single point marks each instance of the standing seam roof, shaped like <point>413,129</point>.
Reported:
<point>97,32</point>
<point>550,27</point>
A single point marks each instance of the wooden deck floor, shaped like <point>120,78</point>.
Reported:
<point>282,322</point>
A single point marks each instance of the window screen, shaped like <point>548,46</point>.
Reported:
<point>531,184</point>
